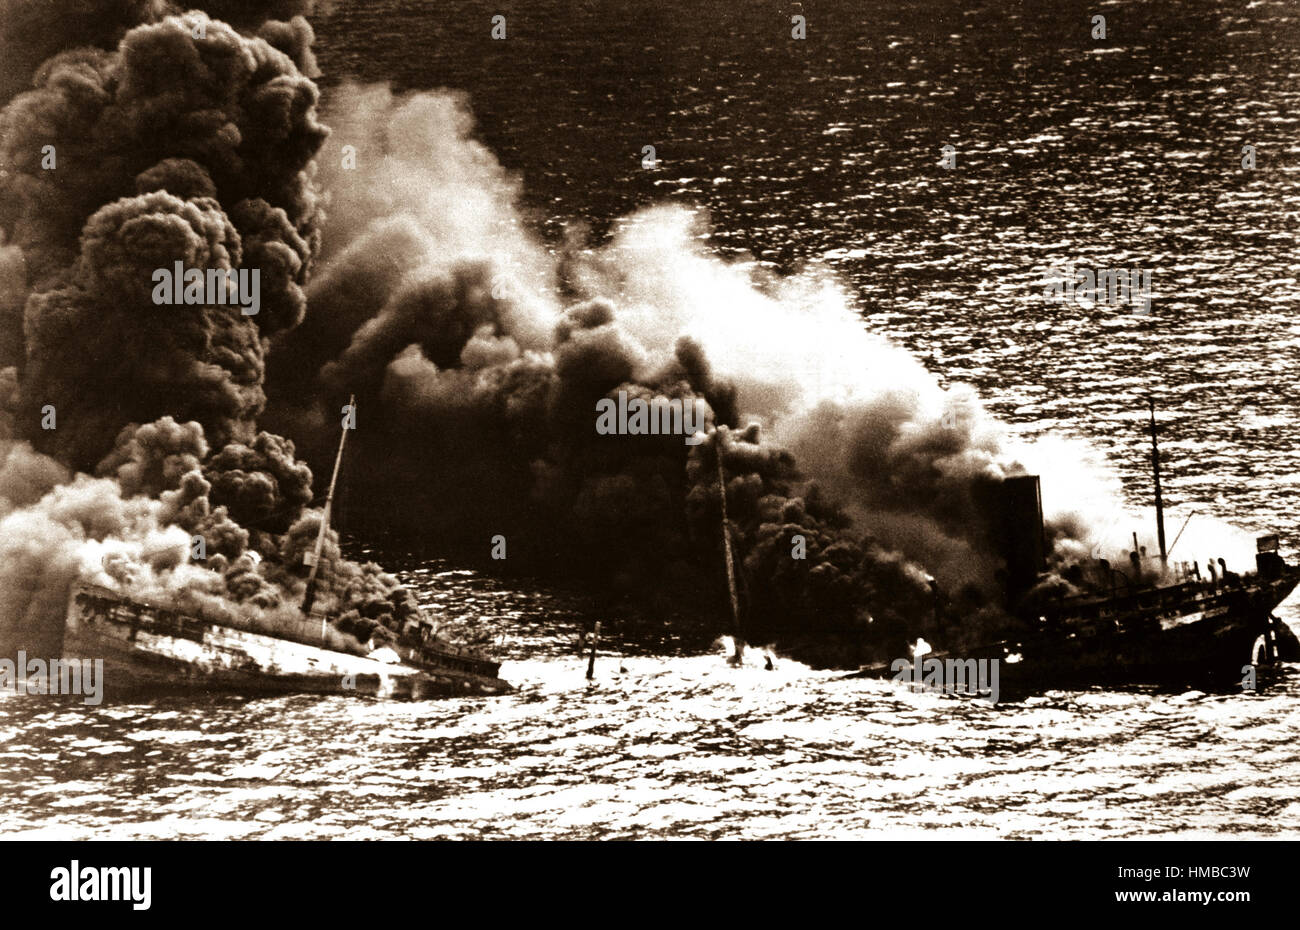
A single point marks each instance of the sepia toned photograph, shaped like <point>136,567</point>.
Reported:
<point>575,420</point>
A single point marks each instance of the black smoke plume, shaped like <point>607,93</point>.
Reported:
<point>478,355</point>
<point>137,136</point>
<point>402,270</point>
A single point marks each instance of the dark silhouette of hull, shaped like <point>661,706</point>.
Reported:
<point>1191,635</point>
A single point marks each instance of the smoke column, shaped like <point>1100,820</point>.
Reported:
<point>128,428</point>
<point>407,274</point>
<point>480,353</point>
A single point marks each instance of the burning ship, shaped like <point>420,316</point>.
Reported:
<point>150,644</point>
<point>1161,624</point>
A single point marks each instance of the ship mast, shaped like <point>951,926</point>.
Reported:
<point>310,596</point>
<point>1160,503</point>
<point>739,654</point>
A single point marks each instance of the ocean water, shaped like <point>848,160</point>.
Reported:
<point>656,746</point>
<point>1122,153</point>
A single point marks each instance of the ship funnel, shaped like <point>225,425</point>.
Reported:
<point>1013,511</point>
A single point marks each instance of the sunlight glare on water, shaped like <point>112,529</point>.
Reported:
<point>675,746</point>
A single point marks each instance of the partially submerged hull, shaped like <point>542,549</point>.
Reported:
<point>1147,623</point>
<point>1184,635</point>
<point>151,648</point>
<point>1175,637</point>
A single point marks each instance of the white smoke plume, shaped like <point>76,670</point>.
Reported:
<point>479,352</point>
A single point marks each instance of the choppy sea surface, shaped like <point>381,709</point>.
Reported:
<point>659,744</point>
<point>1119,153</point>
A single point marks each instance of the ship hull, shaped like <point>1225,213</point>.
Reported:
<point>142,655</point>
<point>1212,653</point>
<point>1212,648</point>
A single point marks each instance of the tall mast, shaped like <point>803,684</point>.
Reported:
<point>731,571</point>
<point>1160,503</point>
<point>310,596</point>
